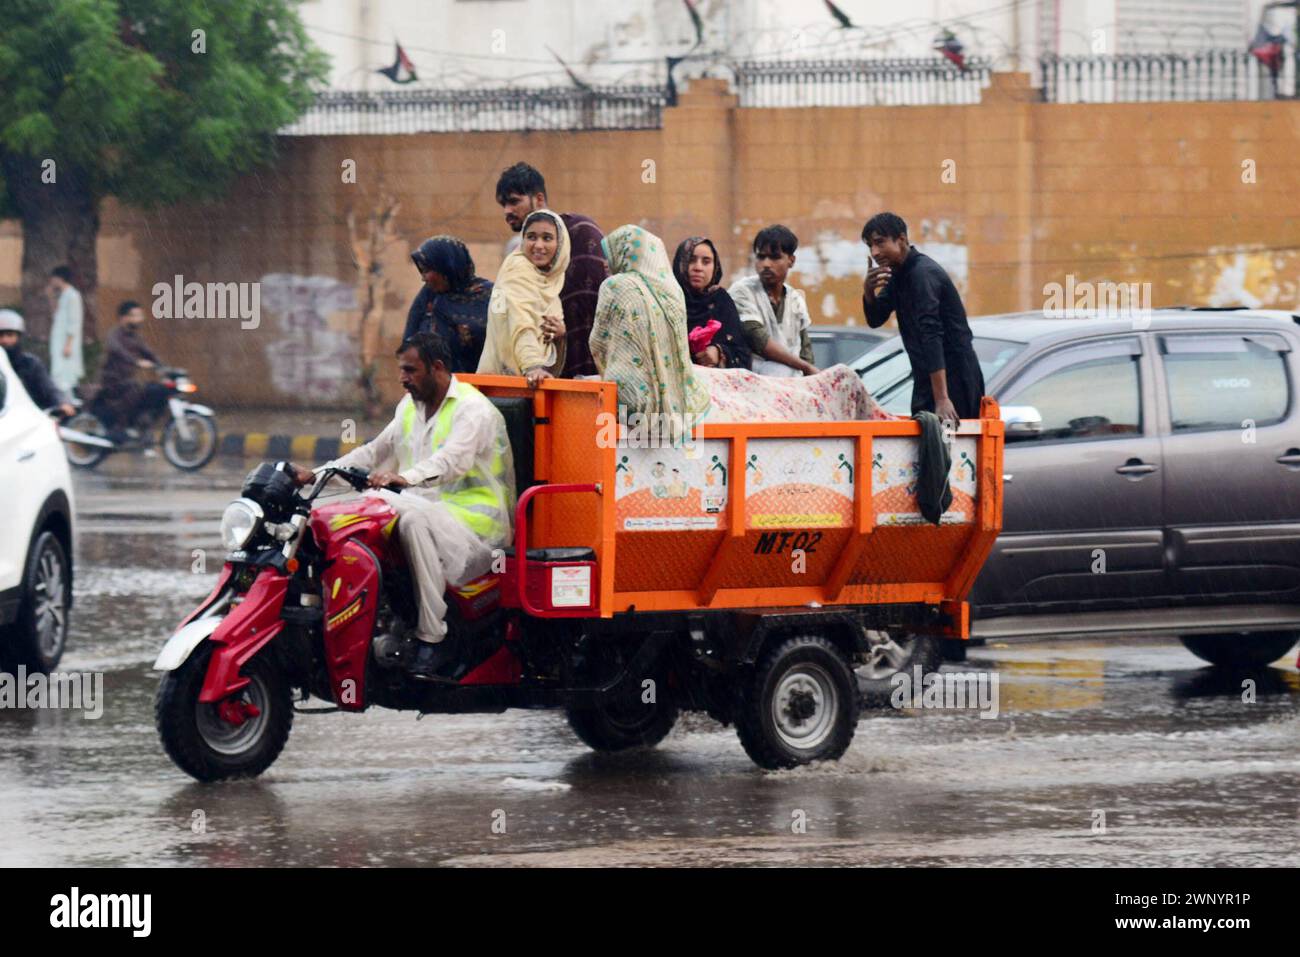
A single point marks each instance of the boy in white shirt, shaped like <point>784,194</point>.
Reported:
<point>773,314</point>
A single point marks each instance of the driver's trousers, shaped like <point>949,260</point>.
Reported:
<point>440,551</point>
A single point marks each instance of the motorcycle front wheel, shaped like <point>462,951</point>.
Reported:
<point>196,451</point>
<point>202,739</point>
<point>85,456</point>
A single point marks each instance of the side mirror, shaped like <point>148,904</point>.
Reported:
<point>1022,421</point>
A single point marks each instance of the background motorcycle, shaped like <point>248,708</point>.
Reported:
<point>188,430</point>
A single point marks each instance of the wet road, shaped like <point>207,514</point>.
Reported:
<point>1184,771</point>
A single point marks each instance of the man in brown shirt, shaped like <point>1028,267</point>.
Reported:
<point>520,190</point>
<point>120,393</point>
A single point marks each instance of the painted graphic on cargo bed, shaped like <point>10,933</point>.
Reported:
<point>894,475</point>
<point>799,483</point>
<point>672,489</point>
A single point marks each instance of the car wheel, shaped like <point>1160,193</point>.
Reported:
<point>890,654</point>
<point>1241,650</point>
<point>38,637</point>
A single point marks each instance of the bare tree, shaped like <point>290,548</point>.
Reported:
<point>368,240</point>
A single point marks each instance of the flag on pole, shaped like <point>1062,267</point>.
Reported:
<point>839,15</point>
<point>402,70</point>
<point>948,44</point>
<point>1267,48</point>
<point>577,81</point>
<point>696,21</point>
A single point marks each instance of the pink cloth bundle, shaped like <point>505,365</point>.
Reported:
<point>701,337</point>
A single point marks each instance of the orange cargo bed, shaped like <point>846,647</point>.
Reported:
<point>757,515</point>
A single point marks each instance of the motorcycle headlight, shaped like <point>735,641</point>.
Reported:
<point>240,520</point>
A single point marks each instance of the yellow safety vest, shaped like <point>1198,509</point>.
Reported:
<point>472,500</point>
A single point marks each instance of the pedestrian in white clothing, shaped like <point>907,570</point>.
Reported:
<point>773,314</point>
<point>448,450</point>
<point>66,367</point>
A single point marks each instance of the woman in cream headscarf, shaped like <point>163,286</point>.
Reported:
<point>525,328</point>
<point>639,342</point>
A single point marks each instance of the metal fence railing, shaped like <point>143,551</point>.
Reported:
<point>340,112</point>
<point>1201,75</point>
<point>877,82</point>
<point>1142,77</point>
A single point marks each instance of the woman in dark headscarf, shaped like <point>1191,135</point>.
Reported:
<point>713,328</point>
<point>453,301</point>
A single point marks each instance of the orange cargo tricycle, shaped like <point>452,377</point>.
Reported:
<point>773,575</point>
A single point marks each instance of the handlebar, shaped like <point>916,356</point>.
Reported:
<point>358,478</point>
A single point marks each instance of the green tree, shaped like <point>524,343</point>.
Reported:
<point>149,101</point>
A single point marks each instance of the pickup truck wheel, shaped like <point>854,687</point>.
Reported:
<point>623,724</point>
<point>1241,651</point>
<point>800,705</point>
<point>889,655</point>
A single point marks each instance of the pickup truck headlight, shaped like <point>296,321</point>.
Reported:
<point>239,522</point>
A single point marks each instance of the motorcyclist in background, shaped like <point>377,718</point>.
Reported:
<point>120,395</point>
<point>28,368</point>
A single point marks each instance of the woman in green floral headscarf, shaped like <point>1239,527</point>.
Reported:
<point>639,342</point>
<point>639,336</point>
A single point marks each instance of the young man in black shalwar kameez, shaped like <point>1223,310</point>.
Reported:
<point>946,375</point>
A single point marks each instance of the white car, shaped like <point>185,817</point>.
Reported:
<point>36,529</point>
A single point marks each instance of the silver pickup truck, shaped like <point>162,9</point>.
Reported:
<point>1152,477</point>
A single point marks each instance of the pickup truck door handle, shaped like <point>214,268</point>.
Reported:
<point>27,454</point>
<point>1292,458</point>
<point>1135,467</point>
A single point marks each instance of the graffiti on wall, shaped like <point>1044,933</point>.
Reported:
<point>310,352</point>
<point>1257,279</point>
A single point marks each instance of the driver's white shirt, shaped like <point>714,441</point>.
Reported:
<point>477,428</point>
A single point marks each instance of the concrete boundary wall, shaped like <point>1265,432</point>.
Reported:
<point>1201,200</point>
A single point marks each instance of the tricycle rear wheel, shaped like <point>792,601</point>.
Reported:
<point>624,724</point>
<point>800,705</point>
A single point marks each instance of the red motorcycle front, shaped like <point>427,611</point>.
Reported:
<point>317,601</point>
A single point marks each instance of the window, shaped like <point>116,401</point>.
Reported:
<point>1084,392</point>
<point>1220,381</point>
<point>889,377</point>
<point>993,354</point>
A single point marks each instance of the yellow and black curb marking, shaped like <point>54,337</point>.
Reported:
<point>293,448</point>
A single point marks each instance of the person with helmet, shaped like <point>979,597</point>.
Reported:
<point>28,368</point>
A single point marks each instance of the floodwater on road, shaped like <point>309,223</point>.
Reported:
<point>1119,752</point>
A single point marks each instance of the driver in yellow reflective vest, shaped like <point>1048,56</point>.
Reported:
<point>447,448</point>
